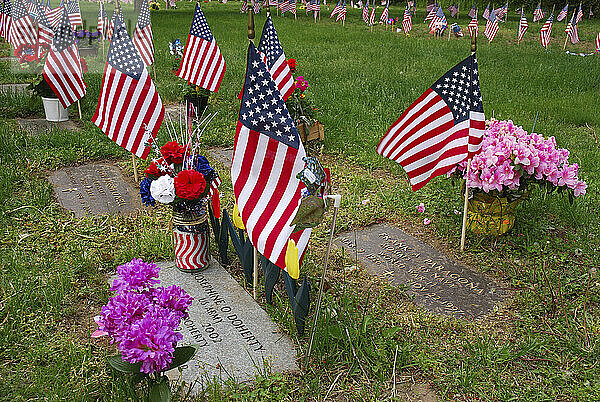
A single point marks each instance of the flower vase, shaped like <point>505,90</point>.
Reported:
<point>490,214</point>
<point>54,110</point>
<point>190,235</point>
<point>199,102</point>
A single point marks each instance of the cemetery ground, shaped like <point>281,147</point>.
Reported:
<point>372,341</point>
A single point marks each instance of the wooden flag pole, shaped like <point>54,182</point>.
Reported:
<point>135,172</point>
<point>464,220</point>
<point>79,108</point>
<point>251,36</point>
<point>566,34</point>
<point>337,200</point>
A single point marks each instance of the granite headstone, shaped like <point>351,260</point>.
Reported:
<point>223,155</point>
<point>435,280</point>
<point>94,189</point>
<point>235,337</point>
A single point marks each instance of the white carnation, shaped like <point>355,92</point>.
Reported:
<point>163,189</point>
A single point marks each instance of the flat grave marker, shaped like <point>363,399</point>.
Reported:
<point>94,189</point>
<point>222,155</point>
<point>39,126</point>
<point>14,89</point>
<point>234,335</point>
<point>435,281</point>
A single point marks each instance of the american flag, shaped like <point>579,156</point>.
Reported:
<point>313,5</point>
<point>32,8</point>
<point>142,36</point>
<point>472,12</point>
<point>117,13</point>
<point>62,69</point>
<point>336,9</point>
<point>441,128</point>
<point>571,29</point>
<point>244,8</point>
<point>486,12</point>
<point>407,21</point>
<point>538,14</point>
<point>6,19</point>
<point>102,20</point>
<point>365,13</point>
<point>273,3</point>
<point>563,13</point>
<point>579,14</point>
<point>372,16</point>
<point>202,63</point>
<point>129,110</point>
<point>291,6</point>
<point>282,5</point>
<point>267,157</point>
<point>22,31</point>
<point>491,27</point>
<point>256,6</point>
<point>74,13</point>
<point>438,18</point>
<point>523,26</point>
<point>598,43</point>
<point>430,7</point>
<point>501,12</point>
<point>431,12</point>
<point>546,31</point>
<point>54,15</point>
<point>473,26</point>
<point>270,47</point>
<point>342,14</point>
<point>44,32</point>
<point>456,30</point>
<point>453,9</point>
<point>385,13</point>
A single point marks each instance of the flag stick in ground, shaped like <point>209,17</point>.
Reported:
<point>464,220</point>
<point>135,172</point>
<point>251,36</point>
<point>535,122</point>
<point>79,108</point>
<point>567,34</point>
<point>337,199</point>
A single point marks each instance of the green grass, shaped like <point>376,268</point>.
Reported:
<point>541,344</point>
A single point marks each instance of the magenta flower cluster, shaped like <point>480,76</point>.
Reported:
<point>301,83</point>
<point>510,157</point>
<point>142,319</point>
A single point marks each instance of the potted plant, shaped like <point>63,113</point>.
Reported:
<point>302,110</point>
<point>178,176</point>
<point>32,63</point>
<point>142,320</point>
<point>501,175</point>
<point>195,96</point>
<point>87,42</point>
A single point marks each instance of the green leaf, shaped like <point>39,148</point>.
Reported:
<point>160,391</point>
<point>301,306</point>
<point>117,363</point>
<point>271,274</point>
<point>390,332</point>
<point>182,355</point>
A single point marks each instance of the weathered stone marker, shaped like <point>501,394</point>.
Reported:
<point>234,335</point>
<point>39,126</point>
<point>434,280</point>
<point>14,88</point>
<point>223,155</point>
<point>95,189</point>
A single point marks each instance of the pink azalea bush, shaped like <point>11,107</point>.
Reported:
<point>511,158</point>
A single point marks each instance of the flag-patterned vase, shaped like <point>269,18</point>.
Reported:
<point>492,215</point>
<point>190,235</point>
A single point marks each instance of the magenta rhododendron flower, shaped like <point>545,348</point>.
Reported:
<point>143,319</point>
<point>301,83</point>
<point>421,208</point>
<point>510,158</point>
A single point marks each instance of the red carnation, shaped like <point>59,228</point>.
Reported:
<point>153,170</point>
<point>189,184</point>
<point>292,64</point>
<point>173,152</point>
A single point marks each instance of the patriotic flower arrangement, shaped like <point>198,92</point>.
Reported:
<point>176,50</point>
<point>511,159</point>
<point>142,320</point>
<point>33,64</point>
<point>93,38</point>
<point>299,104</point>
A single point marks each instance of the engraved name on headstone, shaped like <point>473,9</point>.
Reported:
<point>234,335</point>
<point>94,189</point>
<point>39,126</point>
<point>434,280</point>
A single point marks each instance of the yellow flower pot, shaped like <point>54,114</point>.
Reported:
<point>488,214</point>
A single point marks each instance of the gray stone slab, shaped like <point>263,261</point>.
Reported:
<point>222,155</point>
<point>39,126</point>
<point>436,281</point>
<point>15,88</point>
<point>94,189</point>
<point>236,338</point>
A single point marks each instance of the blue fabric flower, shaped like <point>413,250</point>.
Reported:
<point>202,165</point>
<point>145,192</point>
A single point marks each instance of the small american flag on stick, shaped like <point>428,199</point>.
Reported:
<point>407,21</point>
<point>129,109</point>
<point>202,63</point>
<point>365,13</point>
<point>22,30</point>
<point>579,14</point>
<point>571,30</point>
<point>45,31</point>
<point>74,13</point>
<point>546,31</point>
<point>538,14</point>
<point>441,128</point>
<point>491,27</point>
<point>385,13</point>
<point>336,9</point>
<point>598,43</point>
<point>142,36</point>
<point>266,159</point>
<point>271,49</point>
<point>473,25</point>
<point>472,12</point>
<point>486,12</point>
<point>563,13</point>
<point>54,15</point>
<point>62,69</point>
<point>342,14</point>
<point>102,20</point>
<point>523,26</point>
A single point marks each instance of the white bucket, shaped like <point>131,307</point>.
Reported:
<point>55,110</point>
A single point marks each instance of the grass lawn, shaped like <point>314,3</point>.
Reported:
<point>541,344</point>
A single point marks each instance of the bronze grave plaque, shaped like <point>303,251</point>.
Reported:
<point>434,280</point>
<point>95,189</point>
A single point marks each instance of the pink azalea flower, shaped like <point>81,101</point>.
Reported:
<point>426,221</point>
<point>421,208</point>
